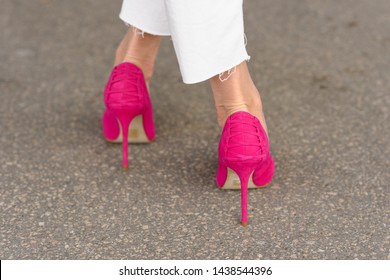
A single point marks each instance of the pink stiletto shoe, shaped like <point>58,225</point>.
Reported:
<point>129,114</point>
<point>244,158</point>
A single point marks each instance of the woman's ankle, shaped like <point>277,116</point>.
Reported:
<point>254,107</point>
<point>140,49</point>
<point>237,93</point>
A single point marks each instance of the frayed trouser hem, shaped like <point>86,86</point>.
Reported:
<point>218,72</point>
<point>142,29</point>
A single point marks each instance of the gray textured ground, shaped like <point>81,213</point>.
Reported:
<point>323,70</point>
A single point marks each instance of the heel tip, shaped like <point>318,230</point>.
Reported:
<point>125,167</point>
<point>244,224</point>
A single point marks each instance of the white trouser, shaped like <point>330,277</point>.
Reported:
<point>208,35</point>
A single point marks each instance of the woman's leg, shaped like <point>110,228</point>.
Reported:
<point>139,48</point>
<point>148,21</point>
<point>208,37</point>
<point>129,114</point>
<point>236,92</point>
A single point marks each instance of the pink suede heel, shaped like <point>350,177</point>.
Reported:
<point>129,114</point>
<point>244,158</point>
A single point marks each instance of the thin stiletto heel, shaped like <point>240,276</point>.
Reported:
<point>125,119</point>
<point>244,200</point>
<point>125,134</point>
<point>244,175</point>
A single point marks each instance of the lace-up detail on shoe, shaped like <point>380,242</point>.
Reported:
<point>124,85</point>
<point>243,137</point>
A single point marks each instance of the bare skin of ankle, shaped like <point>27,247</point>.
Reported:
<point>237,93</point>
<point>140,49</point>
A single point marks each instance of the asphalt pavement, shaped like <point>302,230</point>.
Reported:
<point>323,71</point>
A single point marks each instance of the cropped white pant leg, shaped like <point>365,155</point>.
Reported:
<point>208,35</point>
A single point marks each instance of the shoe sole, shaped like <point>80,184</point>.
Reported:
<point>233,182</point>
<point>136,132</point>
